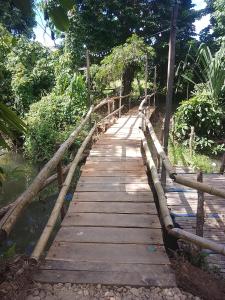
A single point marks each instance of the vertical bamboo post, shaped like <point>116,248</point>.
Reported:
<point>60,184</point>
<point>113,105</point>
<point>146,75</point>
<point>120,100</point>
<point>191,140</point>
<point>88,80</point>
<point>108,105</point>
<point>155,76</point>
<point>200,209</point>
<point>170,83</point>
<point>222,167</point>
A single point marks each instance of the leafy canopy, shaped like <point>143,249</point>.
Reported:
<point>133,51</point>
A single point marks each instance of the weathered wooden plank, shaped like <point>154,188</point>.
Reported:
<point>111,173</point>
<point>113,166</point>
<point>110,235</point>
<point>114,159</point>
<point>114,196</point>
<point>117,187</point>
<point>115,153</point>
<point>113,207</point>
<point>110,179</point>
<point>114,253</point>
<point>111,220</point>
<point>128,274</point>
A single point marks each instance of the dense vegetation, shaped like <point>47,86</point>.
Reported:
<point>47,90</point>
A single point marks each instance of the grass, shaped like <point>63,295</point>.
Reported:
<point>179,155</point>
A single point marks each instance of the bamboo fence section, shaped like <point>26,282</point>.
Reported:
<point>113,113</point>
<point>9,219</point>
<point>179,178</point>
<point>198,240</point>
<point>40,246</point>
<point>13,211</point>
<point>165,214</point>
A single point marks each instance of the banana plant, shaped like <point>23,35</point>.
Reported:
<point>10,125</point>
<point>209,70</point>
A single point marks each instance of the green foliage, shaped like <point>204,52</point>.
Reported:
<point>18,16</point>
<point>32,73</point>
<point>180,155</point>
<point>208,121</point>
<point>133,51</point>
<point>216,30</point>
<point>52,119</point>
<point>210,72</point>
<point>124,62</point>
<point>10,125</point>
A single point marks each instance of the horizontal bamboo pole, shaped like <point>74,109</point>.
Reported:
<point>200,241</point>
<point>112,113</point>
<point>165,214</point>
<point>141,106</point>
<point>199,186</point>
<point>109,100</point>
<point>41,244</point>
<point>9,219</point>
<point>180,178</point>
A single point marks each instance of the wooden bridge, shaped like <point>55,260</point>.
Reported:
<point>112,232</point>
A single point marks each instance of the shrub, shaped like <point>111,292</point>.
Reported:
<point>207,119</point>
<point>51,120</point>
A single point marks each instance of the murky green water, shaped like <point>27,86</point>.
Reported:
<point>18,174</point>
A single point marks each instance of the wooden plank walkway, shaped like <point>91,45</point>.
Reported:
<point>183,203</point>
<point>111,233</point>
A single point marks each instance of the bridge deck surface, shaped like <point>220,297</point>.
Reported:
<point>111,233</point>
<point>183,204</point>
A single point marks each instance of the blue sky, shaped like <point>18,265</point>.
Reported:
<point>45,38</point>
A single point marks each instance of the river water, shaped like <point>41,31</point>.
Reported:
<point>18,175</point>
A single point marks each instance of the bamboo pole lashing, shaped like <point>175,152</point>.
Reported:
<point>40,246</point>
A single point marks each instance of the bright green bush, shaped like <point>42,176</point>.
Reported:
<point>51,120</point>
<point>208,121</point>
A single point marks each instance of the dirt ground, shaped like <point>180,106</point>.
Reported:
<point>193,283</point>
<point>198,282</point>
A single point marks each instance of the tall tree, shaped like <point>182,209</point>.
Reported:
<point>215,31</point>
<point>18,16</point>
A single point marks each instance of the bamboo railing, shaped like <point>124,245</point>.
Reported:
<point>164,211</point>
<point>42,179</point>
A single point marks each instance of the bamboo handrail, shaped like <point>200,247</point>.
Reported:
<point>179,178</point>
<point>9,219</point>
<point>39,248</point>
<point>161,196</point>
<point>144,101</point>
<point>109,100</point>
<point>113,113</point>
<point>177,232</point>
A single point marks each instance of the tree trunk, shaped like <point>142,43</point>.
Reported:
<point>127,78</point>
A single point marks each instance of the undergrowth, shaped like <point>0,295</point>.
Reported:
<point>180,155</point>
